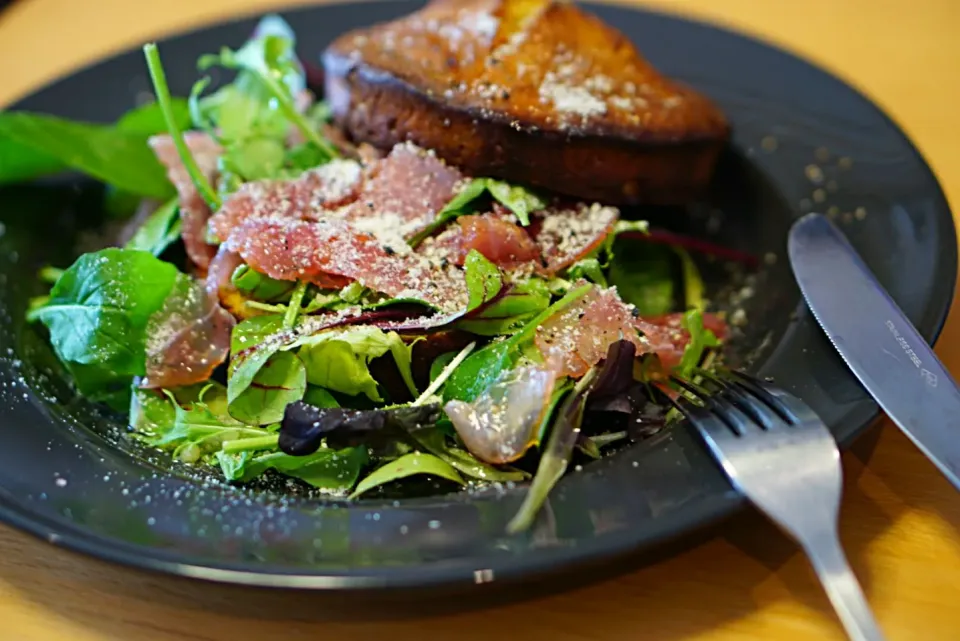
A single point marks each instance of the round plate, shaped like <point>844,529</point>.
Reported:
<point>803,140</point>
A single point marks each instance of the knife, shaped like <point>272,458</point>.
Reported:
<point>877,341</point>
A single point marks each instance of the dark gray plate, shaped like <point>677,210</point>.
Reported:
<point>64,477</point>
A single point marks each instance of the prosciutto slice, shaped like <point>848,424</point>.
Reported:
<point>194,211</point>
<point>331,248</point>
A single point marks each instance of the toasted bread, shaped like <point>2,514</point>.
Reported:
<point>533,91</point>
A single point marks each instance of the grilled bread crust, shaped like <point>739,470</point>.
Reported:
<point>532,91</point>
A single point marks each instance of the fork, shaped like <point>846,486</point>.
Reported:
<point>780,455</point>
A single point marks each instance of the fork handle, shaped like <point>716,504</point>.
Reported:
<point>842,588</point>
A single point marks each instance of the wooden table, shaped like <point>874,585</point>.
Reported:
<point>900,518</point>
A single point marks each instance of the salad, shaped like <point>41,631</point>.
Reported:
<point>288,303</point>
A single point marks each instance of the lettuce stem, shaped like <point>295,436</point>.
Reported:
<point>160,87</point>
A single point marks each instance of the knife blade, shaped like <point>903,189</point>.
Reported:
<point>877,341</point>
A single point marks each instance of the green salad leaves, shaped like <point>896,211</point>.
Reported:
<point>97,317</point>
<point>346,386</point>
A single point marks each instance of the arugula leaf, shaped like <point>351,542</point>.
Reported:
<point>338,360</point>
<point>270,79</point>
<point>408,465</point>
<point>519,200</point>
<point>621,227</point>
<point>556,455</point>
<point>434,441</point>
<point>197,430</point>
<point>484,280</point>
<point>253,284</point>
<point>482,368</point>
<point>98,311</point>
<point>294,306</point>
<point>700,339</point>
<point>644,277</point>
<point>148,119</point>
<point>589,269</point>
<point>33,145</point>
<point>160,230</point>
<point>159,79</point>
<point>334,471</point>
<point>282,380</point>
<point>692,282</point>
<point>512,310</point>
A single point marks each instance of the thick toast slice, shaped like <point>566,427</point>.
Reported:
<point>532,91</point>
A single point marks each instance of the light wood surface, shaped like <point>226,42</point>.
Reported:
<point>900,519</point>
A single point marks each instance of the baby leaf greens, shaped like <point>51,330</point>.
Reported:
<point>701,338</point>
<point>414,463</point>
<point>526,354</point>
<point>98,312</point>
<point>253,115</point>
<point>33,145</point>
<point>160,230</point>
<point>519,200</point>
<point>339,360</point>
<point>335,471</point>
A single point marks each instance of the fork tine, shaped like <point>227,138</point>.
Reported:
<point>743,400</point>
<point>734,421</point>
<point>759,390</point>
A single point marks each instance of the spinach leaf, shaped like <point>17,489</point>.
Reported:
<point>701,338</point>
<point>335,471</point>
<point>150,411</point>
<point>434,441</point>
<point>480,370</point>
<point>644,277</point>
<point>160,230</point>
<point>510,311</point>
<point>98,311</point>
<point>282,380</point>
<point>484,280</point>
<point>408,465</point>
<point>339,360</point>
<point>33,145</point>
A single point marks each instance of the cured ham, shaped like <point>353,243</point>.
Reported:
<point>187,338</point>
<point>393,198</point>
<point>290,249</point>
<point>502,242</point>
<point>565,234</point>
<point>578,338</point>
<point>312,195</point>
<point>194,211</point>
